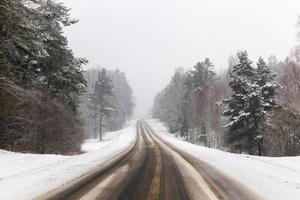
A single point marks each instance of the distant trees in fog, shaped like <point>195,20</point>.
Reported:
<point>193,96</point>
<point>98,100</point>
<point>108,103</point>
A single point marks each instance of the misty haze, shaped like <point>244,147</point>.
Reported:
<point>140,99</point>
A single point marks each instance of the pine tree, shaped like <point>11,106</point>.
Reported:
<point>61,71</point>
<point>19,47</point>
<point>99,103</point>
<point>200,86</point>
<point>253,95</point>
<point>244,106</point>
<point>200,75</point>
<point>38,71</point>
<point>267,91</point>
<point>268,88</point>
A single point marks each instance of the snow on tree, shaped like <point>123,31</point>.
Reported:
<point>38,66</point>
<point>253,95</point>
<point>268,88</point>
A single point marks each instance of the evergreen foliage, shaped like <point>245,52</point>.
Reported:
<point>253,94</point>
<point>38,71</point>
<point>200,75</point>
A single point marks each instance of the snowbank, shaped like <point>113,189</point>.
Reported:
<point>27,176</point>
<point>273,178</point>
<point>94,144</point>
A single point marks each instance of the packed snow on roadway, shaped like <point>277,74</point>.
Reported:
<point>276,178</point>
<point>27,176</point>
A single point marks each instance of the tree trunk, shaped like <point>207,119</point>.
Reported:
<point>95,124</point>
<point>259,148</point>
<point>100,131</point>
<point>249,145</point>
<point>100,117</point>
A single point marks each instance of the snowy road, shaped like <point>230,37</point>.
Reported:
<point>155,169</point>
<point>152,164</point>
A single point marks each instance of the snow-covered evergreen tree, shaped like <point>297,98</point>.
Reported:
<point>253,94</point>
<point>265,80</point>
<point>244,106</point>
<point>41,74</point>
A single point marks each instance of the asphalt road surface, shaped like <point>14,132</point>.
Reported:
<point>153,169</point>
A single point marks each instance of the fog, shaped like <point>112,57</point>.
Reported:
<point>149,39</point>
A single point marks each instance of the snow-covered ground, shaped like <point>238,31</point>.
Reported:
<point>273,178</point>
<point>94,144</point>
<point>27,176</point>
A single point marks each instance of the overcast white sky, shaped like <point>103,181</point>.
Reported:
<point>149,39</point>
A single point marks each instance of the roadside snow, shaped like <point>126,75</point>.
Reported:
<point>273,178</point>
<point>27,176</point>
<point>16,163</point>
<point>94,144</point>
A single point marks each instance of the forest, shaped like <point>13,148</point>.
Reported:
<point>150,99</point>
<point>43,88</point>
<point>49,104</point>
<point>251,107</point>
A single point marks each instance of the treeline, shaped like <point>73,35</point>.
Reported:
<point>252,108</point>
<point>108,103</point>
<point>191,104</point>
<point>40,79</point>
